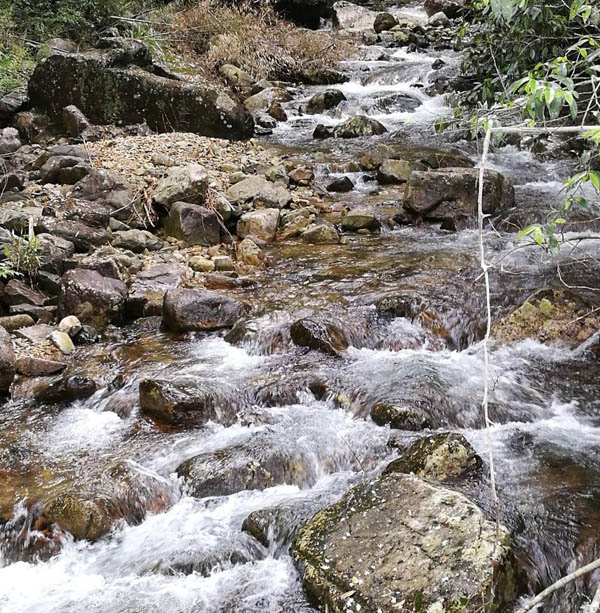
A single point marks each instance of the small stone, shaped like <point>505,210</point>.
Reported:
<point>36,334</point>
<point>224,263</point>
<point>249,253</point>
<point>38,367</point>
<point>276,111</point>
<point>199,263</point>
<point>14,322</point>
<point>301,175</point>
<point>70,325</point>
<point>62,341</point>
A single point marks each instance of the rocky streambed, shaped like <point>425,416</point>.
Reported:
<point>248,375</point>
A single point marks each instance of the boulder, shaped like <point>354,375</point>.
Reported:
<point>182,183</point>
<point>9,141</point>
<point>321,232</point>
<point>317,72</point>
<point>452,192</point>
<point>107,188</point>
<point>399,417</point>
<point>186,310</point>
<point>74,121</point>
<point>147,292</point>
<point>64,389</point>
<point>263,99</point>
<point>261,192</point>
<point>324,101</point>
<point>398,539</point>
<point>107,93</point>
<point>249,253</point>
<point>341,185</point>
<point>383,22</point>
<point>82,236</point>
<point>353,18</point>
<point>53,251</point>
<point>94,299</point>
<point>239,80</point>
<point>7,361</point>
<point>394,172</point>
<point>259,225</point>
<point>419,157</point>
<point>360,218</point>
<point>183,403</point>
<point>136,240</point>
<point>255,464</point>
<point>19,292</point>
<point>356,127</point>
<point>320,335</point>
<point>193,224</point>
<point>450,8</point>
<point>438,458</point>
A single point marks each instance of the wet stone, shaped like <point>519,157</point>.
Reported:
<point>320,335</point>
<point>341,185</point>
<point>36,367</point>
<point>399,417</point>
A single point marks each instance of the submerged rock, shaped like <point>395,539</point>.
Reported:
<point>323,101</point>
<point>399,540</point>
<point>255,464</point>
<point>399,417</point>
<point>186,310</point>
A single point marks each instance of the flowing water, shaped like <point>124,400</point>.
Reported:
<point>177,553</point>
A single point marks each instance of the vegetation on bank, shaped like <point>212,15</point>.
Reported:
<point>539,60</point>
<point>195,36</point>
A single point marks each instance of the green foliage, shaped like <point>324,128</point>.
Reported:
<point>22,257</point>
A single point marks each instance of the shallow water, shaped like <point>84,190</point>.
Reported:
<point>189,555</point>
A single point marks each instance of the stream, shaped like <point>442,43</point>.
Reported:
<point>191,555</point>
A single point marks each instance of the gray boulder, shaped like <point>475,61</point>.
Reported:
<point>196,225</point>
<point>261,192</point>
<point>394,172</point>
<point>359,126</point>
<point>360,218</point>
<point>324,101</point>
<point>321,232</point>
<point>136,240</point>
<point>259,225</point>
<point>452,192</point>
<point>398,539</point>
<point>182,183</point>
<point>265,98</point>
<point>186,310</point>
<point>9,141</point>
<point>81,235</point>
<point>96,300</point>
<point>353,18</point>
<point>108,92</point>
<point>148,289</point>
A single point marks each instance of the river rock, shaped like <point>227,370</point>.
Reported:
<point>317,72</point>
<point>398,539</point>
<point>19,292</point>
<point>43,314</point>
<point>69,325</point>
<point>9,141</point>
<point>359,126</point>
<point>255,464</point>
<point>263,99</point>
<point>82,236</point>
<point>136,240</point>
<point>260,191</point>
<point>340,185</point>
<point>353,18</point>
<point>259,225</point>
<point>452,192</point>
<point>302,175</point>
<point>394,172</point>
<point>323,101</point>
<point>74,121</point>
<point>64,389</point>
<point>239,80</point>
<point>186,310</point>
<point>84,519</point>
<point>7,361</point>
<point>63,169</point>
<point>107,93</point>
<point>53,251</point>
<point>11,104</point>
<point>438,458</point>
<point>321,232</point>
<point>451,8</point>
<point>320,335</point>
<point>147,292</point>
<point>38,367</point>
<point>14,322</point>
<point>62,341</point>
<point>184,403</point>
<point>360,218</point>
<point>196,225</point>
<point>94,299</point>
<point>383,22</point>
<point>198,263</point>
<point>399,417</point>
<point>182,183</point>
<point>109,189</point>
<point>249,253</point>
<point>419,157</point>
